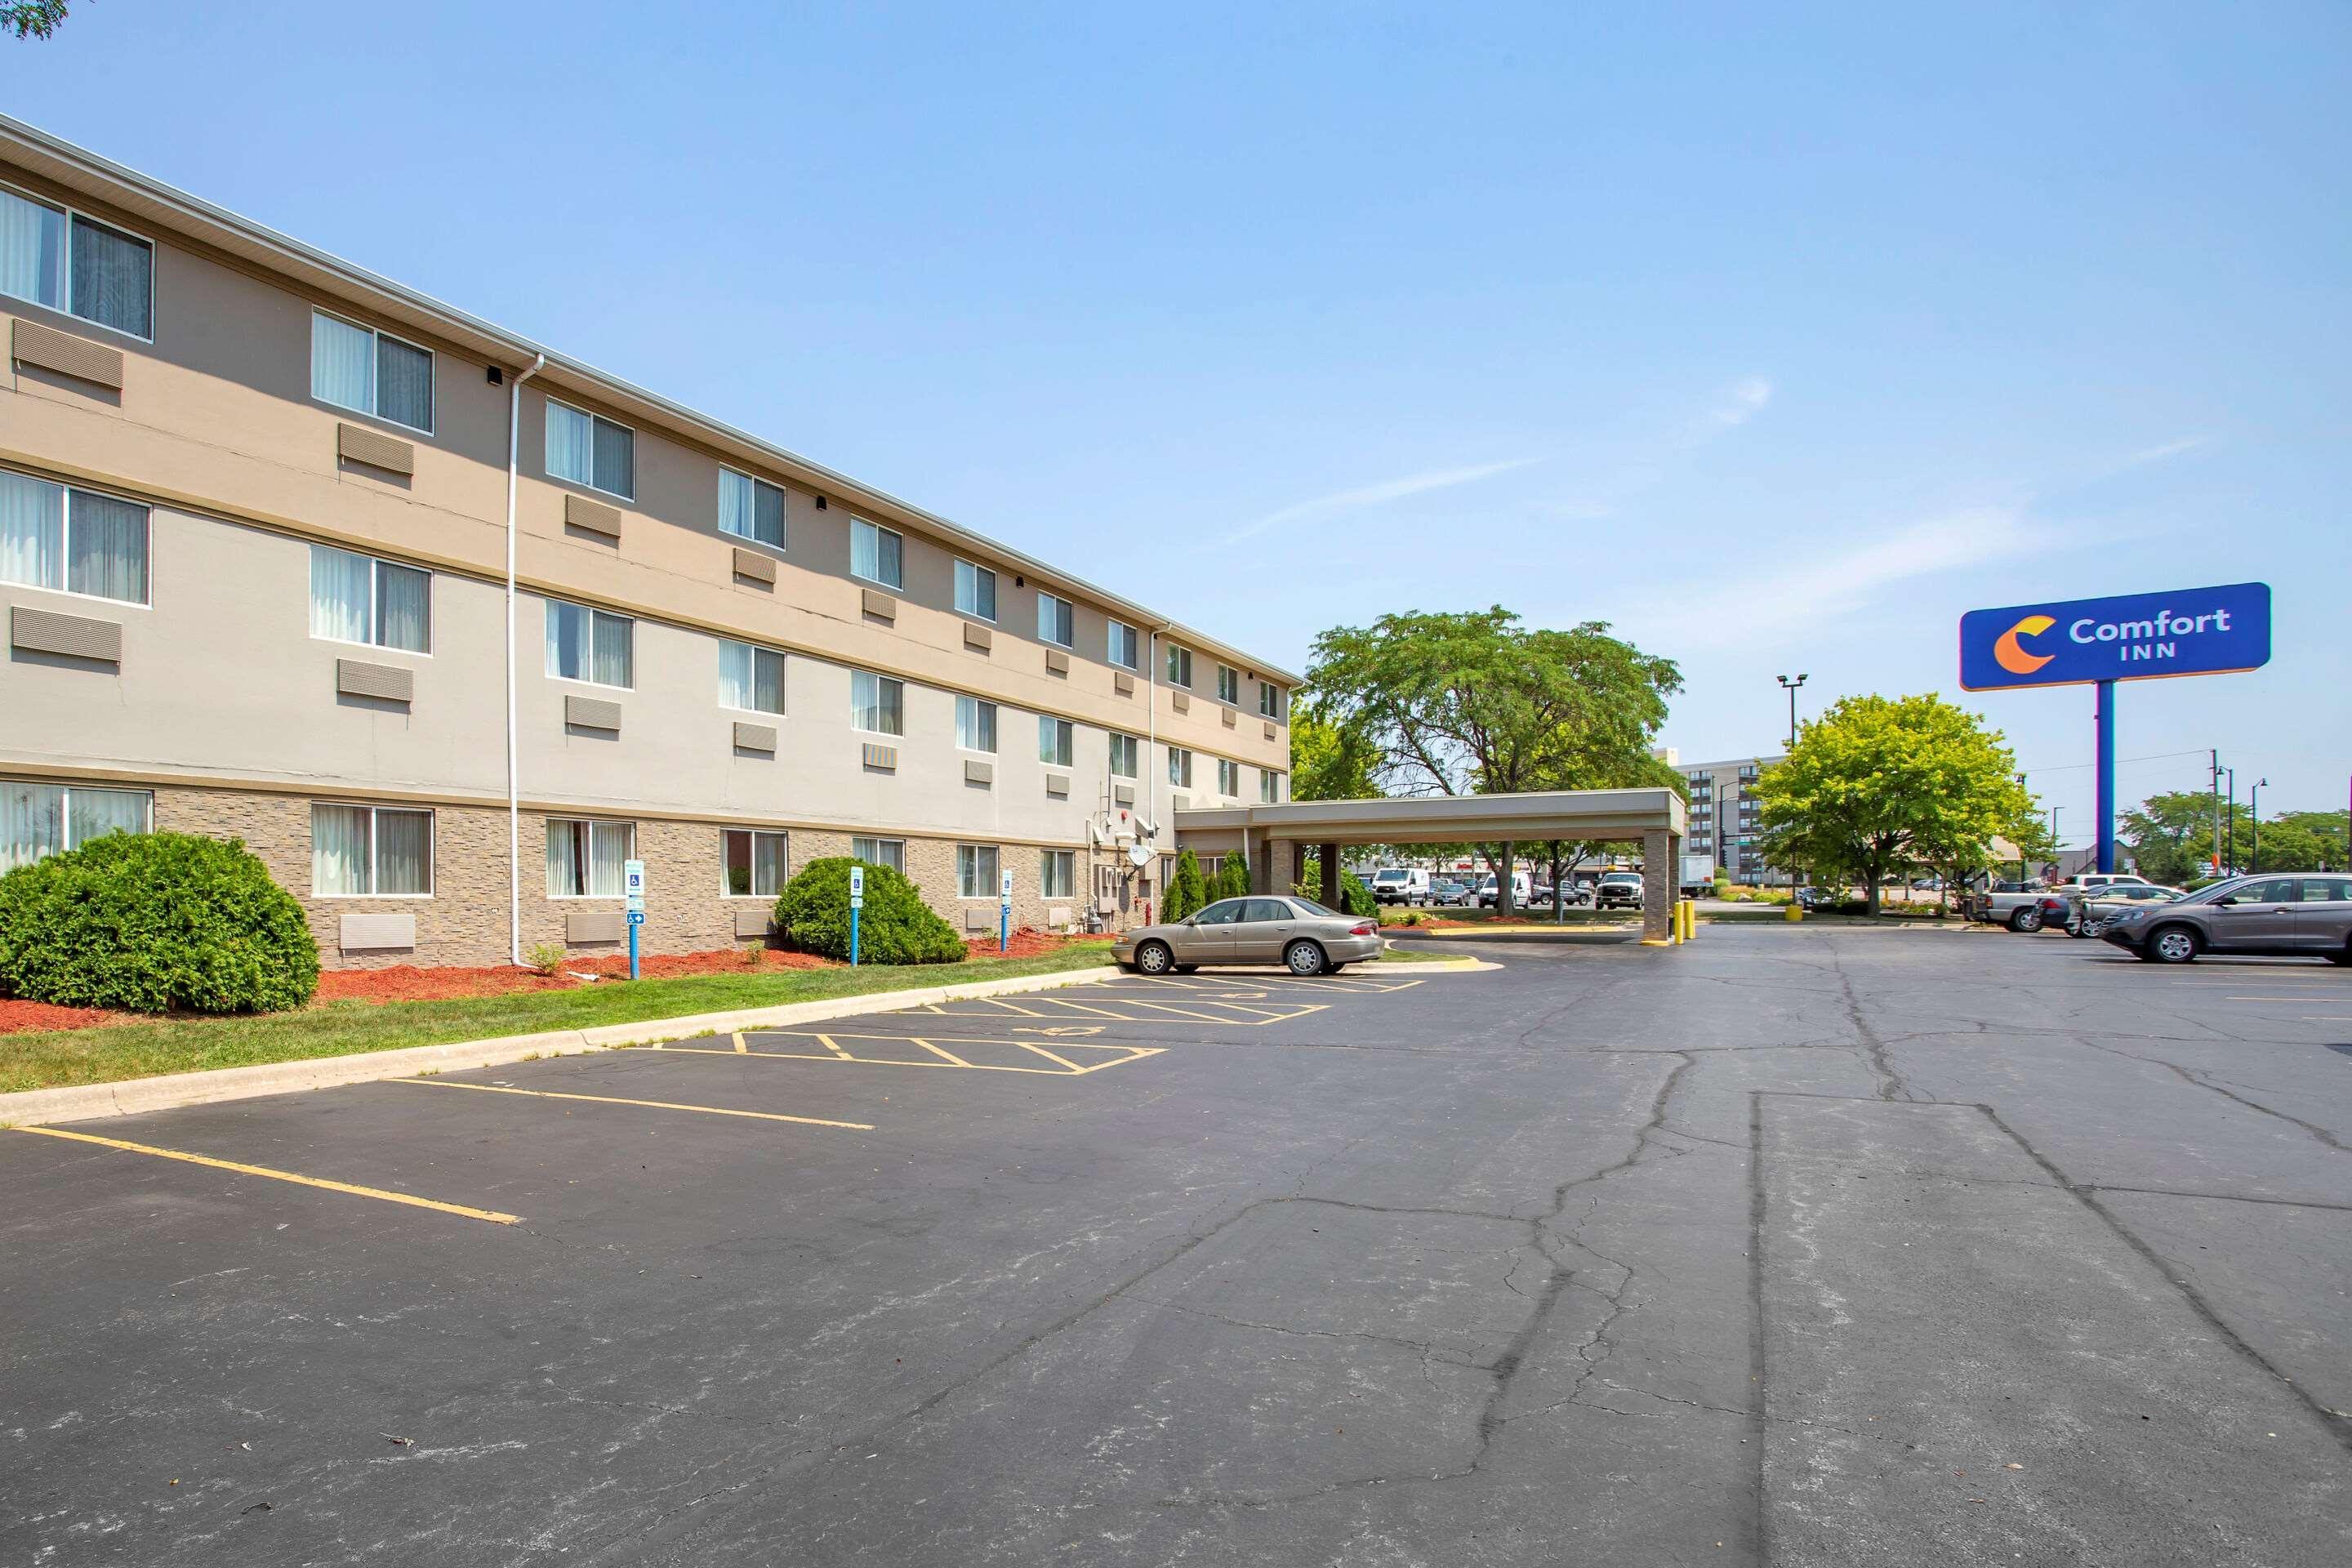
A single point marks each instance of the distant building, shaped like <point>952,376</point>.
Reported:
<point>1725,817</point>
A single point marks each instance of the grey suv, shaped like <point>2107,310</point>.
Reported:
<point>2308,916</point>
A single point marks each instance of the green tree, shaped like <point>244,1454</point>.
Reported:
<point>2298,841</point>
<point>1330,758</point>
<point>1187,889</point>
<point>1880,784</point>
<point>1232,878</point>
<point>1472,702</point>
<point>1355,899</point>
<point>2171,835</point>
<point>32,18</point>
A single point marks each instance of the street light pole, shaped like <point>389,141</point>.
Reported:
<point>2230,823</point>
<point>2054,848</point>
<point>1790,686</point>
<point>2254,823</point>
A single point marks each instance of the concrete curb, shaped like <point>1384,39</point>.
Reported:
<point>133,1096</point>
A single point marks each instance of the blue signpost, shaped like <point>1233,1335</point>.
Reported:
<point>2098,642</point>
<point>1005,915</point>
<point>633,884</point>
<point>856,902</point>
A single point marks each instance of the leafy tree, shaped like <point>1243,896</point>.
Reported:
<point>2299,841</point>
<point>1472,702</point>
<point>1355,899</point>
<point>1232,878</point>
<point>1880,784</point>
<point>2171,835</point>
<point>894,927</point>
<point>1330,758</point>
<point>1187,889</point>
<point>32,18</point>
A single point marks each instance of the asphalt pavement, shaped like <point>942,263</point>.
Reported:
<point>1797,1245</point>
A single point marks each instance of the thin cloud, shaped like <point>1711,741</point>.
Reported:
<point>1373,495</point>
<point>2158,454</point>
<point>1741,401</point>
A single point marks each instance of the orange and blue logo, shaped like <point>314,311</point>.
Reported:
<point>2014,659</point>
<point>2132,637</point>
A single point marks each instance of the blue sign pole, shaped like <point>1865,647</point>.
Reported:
<point>2106,773</point>
<point>856,902</point>
<point>633,947</point>
<point>853,936</point>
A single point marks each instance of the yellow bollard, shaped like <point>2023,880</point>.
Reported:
<point>1690,919</point>
<point>1796,910</point>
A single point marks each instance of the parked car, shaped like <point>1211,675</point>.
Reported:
<point>2017,905</point>
<point>1297,933</point>
<point>2084,880</point>
<point>1396,885</point>
<point>2284,916</point>
<point>1447,893</point>
<point>1619,890</point>
<point>2089,912</point>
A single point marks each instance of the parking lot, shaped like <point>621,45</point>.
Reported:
<point>1796,1245</point>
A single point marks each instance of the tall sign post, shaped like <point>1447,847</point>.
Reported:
<point>2100,642</point>
<point>633,884</point>
<point>1004,914</point>
<point>856,902</point>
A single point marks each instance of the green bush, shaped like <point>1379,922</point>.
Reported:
<point>894,926</point>
<point>1354,897</point>
<point>1187,890</point>
<point>1231,880</point>
<point>155,922</point>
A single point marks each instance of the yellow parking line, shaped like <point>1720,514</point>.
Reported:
<point>840,1053</point>
<point>949,1056</point>
<point>648,1104</point>
<point>1049,1055</point>
<point>492,1215</point>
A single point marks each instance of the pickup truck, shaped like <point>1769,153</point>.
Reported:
<point>2017,905</point>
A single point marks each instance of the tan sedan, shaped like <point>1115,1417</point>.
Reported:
<point>1297,933</point>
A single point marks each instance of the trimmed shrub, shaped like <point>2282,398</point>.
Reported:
<point>1233,879</point>
<point>894,926</point>
<point>1187,890</point>
<point>155,922</point>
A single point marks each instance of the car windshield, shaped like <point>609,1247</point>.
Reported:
<point>2218,890</point>
<point>1388,876</point>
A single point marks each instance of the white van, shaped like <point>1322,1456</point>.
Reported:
<point>1522,890</point>
<point>1396,885</point>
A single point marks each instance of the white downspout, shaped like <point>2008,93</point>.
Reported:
<point>514,766</point>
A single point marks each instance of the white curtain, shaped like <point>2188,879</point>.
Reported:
<point>343,363</point>
<point>339,851</point>
<point>403,852</point>
<point>875,554</point>
<point>95,813</point>
<point>751,678</point>
<point>975,724</point>
<point>404,607</point>
<point>111,274</point>
<point>32,250</point>
<point>609,843</point>
<point>403,384</point>
<point>567,640</point>
<point>768,876</point>
<point>32,532</point>
<point>975,591</point>
<point>566,848</point>
<point>876,703</point>
<point>106,548</point>
<point>32,823</point>
<point>612,637</point>
<point>571,443</point>
<point>339,594</point>
<point>749,510</point>
<point>617,463</point>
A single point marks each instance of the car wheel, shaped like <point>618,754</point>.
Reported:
<point>1153,958</point>
<point>2172,944</point>
<point>2025,922</point>
<point>1303,958</point>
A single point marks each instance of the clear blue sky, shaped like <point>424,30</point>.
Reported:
<point>1777,340</point>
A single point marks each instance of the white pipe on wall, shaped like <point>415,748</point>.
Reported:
<point>514,765</point>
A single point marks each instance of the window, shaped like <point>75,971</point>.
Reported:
<point>976,871</point>
<point>1224,913</point>
<point>975,591</point>
<point>1269,786</point>
<point>2317,890</point>
<point>56,257</point>
<point>371,852</point>
<point>589,450</point>
<point>1229,778</point>
<point>1057,873</point>
<point>584,858</point>
<point>1124,646</point>
<point>369,372</point>
<point>890,852</point>
<point>752,678</point>
<point>751,509</point>
<point>877,553</point>
<point>1269,699</point>
<point>877,704</point>
<point>1124,749</point>
<point>752,861</point>
<point>1179,767</point>
<point>74,542</point>
<point>1057,621</point>
<point>975,724</point>
<point>1179,666</point>
<point>1229,685</point>
<point>38,820</point>
<point>1053,738</point>
<point>590,645</point>
<point>357,598</point>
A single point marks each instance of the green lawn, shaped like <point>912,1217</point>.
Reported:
<point>343,1028</point>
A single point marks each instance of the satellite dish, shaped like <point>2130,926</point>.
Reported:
<point>1138,855</point>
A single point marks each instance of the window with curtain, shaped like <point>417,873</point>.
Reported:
<point>369,372</point>
<point>975,724</point>
<point>1057,873</point>
<point>1179,666</point>
<point>890,852</point>
<point>1057,620</point>
<point>585,860</point>
<point>38,820</point>
<point>876,703</point>
<point>1269,699</point>
<point>54,257</point>
<point>359,599</point>
<point>1124,749</point>
<point>751,509</point>
<point>1054,740</point>
<point>1269,786</point>
<point>589,450</point>
<point>1124,645</point>
<point>1179,767</point>
<point>752,861</point>
<point>877,554</point>
<point>751,678</point>
<point>1229,779</point>
<point>590,645</point>
<point>368,851</point>
<point>975,591</point>
<point>72,541</point>
<point>1229,685</point>
<point>976,871</point>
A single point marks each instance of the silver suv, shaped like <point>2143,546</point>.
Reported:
<point>2304,916</point>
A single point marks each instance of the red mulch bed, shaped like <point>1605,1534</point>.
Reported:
<point>1027,942</point>
<point>32,1017</point>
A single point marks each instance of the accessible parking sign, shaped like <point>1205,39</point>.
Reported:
<point>2132,637</point>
